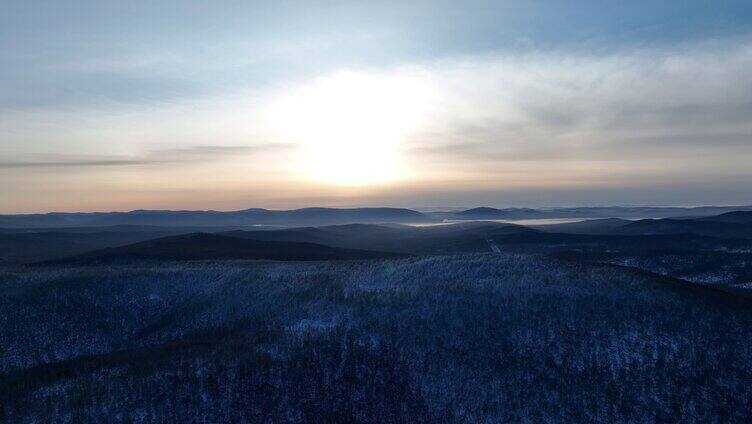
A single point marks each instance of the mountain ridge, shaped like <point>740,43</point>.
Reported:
<point>247,217</point>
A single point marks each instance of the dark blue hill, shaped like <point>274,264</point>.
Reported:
<point>203,246</point>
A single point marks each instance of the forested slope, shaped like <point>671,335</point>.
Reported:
<point>478,338</point>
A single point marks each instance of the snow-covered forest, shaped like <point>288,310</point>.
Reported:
<point>465,338</point>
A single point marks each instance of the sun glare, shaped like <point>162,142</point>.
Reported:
<point>351,125</point>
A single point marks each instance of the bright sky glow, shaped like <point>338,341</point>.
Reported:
<point>170,104</point>
<point>351,125</point>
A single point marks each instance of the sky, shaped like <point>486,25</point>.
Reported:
<point>112,105</point>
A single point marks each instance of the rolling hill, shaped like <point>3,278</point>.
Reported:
<point>706,227</point>
<point>204,246</point>
<point>588,212</point>
<point>591,226</point>
<point>439,239</point>
<point>40,246</point>
<point>493,213</point>
<point>735,217</point>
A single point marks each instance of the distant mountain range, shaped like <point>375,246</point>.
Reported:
<point>708,249</point>
<point>248,217</point>
<point>30,245</point>
<point>334,216</point>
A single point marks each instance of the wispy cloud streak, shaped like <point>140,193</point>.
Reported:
<point>206,153</point>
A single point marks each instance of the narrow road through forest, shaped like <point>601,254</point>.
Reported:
<point>494,247</point>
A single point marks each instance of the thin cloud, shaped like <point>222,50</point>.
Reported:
<point>688,102</point>
<point>72,162</point>
<point>193,152</point>
<point>203,153</point>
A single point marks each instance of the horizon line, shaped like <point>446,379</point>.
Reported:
<point>421,209</point>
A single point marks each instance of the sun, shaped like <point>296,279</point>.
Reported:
<point>351,125</point>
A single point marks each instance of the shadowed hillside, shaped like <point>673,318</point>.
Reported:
<point>203,246</point>
<point>708,227</point>
<point>440,239</point>
<point>735,217</point>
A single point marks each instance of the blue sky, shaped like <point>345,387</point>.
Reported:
<point>233,104</point>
